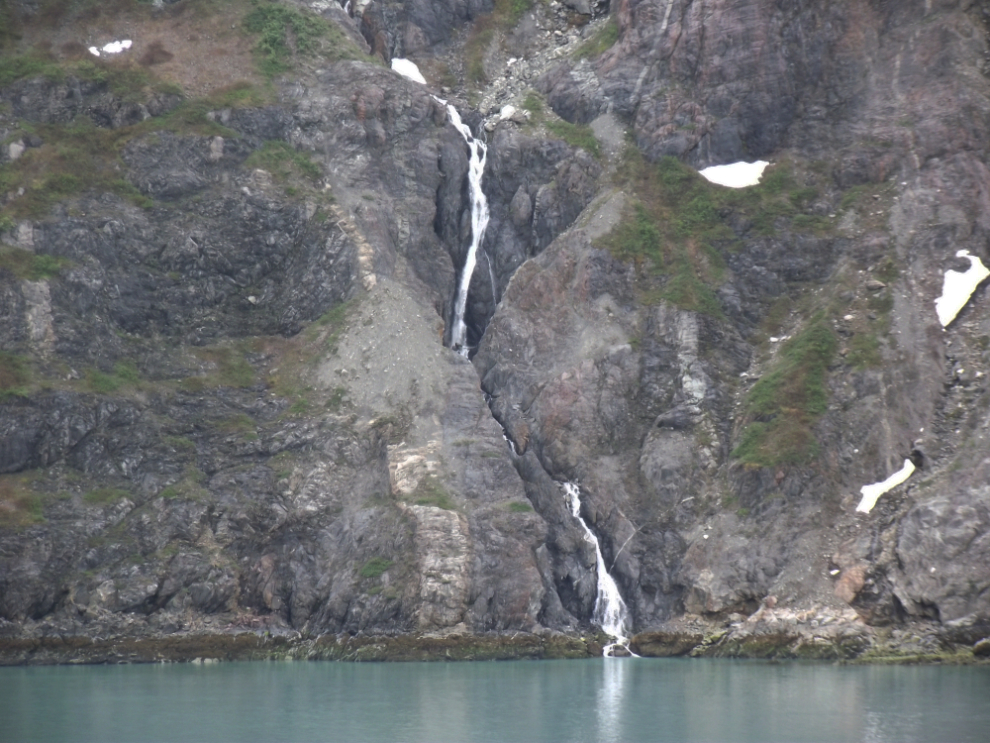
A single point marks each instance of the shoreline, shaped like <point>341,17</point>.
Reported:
<point>848,644</point>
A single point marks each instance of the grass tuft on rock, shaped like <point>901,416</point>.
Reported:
<point>603,40</point>
<point>431,492</point>
<point>285,34</point>
<point>284,162</point>
<point>124,374</point>
<point>105,496</point>
<point>25,264</point>
<point>782,407</point>
<point>375,568</point>
<point>676,229</point>
<point>20,505</point>
<point>576,135</point>
<point>14,375</point>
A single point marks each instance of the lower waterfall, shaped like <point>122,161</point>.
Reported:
<point>610,613</point>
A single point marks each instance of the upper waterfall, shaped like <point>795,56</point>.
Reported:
<point>479,206</point>
<point>479,223</point>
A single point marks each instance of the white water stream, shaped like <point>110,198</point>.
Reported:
<point>479,222</point>
<point>610,613</point>
<point>479,206</point>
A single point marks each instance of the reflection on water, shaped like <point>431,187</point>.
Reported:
<point>609,708</point>
<point>604,699</point>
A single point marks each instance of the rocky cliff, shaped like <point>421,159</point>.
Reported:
<point>227,281</point>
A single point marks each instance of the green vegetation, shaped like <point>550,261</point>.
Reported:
<point>20,505</point>
<point>20,66</point>
<point>887,270</point>
<point>685,288</point>
<point>8,29</point>
<point>576,135</point>
<point>604,39</point>
<point>240,424</point>
<point>299,407</point>
<point>79,156</point>
<point>228,368</point>
<point>284,162</point>
<point>31,266</point>
<point>375,567</point>
<point>512,10</point>
<point>125,373</point>
<point>179,443</point>
<point>124,81</point>
<point>14,375</point>
<point>285,33</point>
<point>105,496</point>
<point>74,158</point>
<point>782,407</point>
<point>533,103</point>
<point>334,320</point>
<point>864,351</point>
<point>189,487</point>
<point>431,492</point>
<point>676,230</point>
<point>853,196</point>
<point>519,507</point>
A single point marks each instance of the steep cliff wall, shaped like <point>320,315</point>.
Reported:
<point>225,402</point>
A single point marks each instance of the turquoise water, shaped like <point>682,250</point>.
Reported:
<point>588,700</point>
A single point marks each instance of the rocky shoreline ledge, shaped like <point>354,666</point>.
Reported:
<point>776,639</point>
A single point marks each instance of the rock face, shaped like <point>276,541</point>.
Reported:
<point>225,400</point>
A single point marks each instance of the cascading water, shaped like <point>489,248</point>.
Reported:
<point>610,611</point>
<point>479,222</point>
<point>479,206</point>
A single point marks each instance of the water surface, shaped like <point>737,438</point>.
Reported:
<point>576,700</point>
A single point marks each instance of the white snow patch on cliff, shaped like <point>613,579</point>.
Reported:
<point>872,492</point>
<point>408,69</point>
<point>735,175</point>
<point>114,47</point>
<point>958,287</point>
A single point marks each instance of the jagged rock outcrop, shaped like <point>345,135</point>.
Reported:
<point>690,87</point>
<point>225,402</point>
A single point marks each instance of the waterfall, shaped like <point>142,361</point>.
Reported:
<point>479,222</point>
<point>479,205</point>
<point>610,611</point>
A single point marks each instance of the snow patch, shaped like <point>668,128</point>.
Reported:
<point>872,492</point>
<point>408,69</point>
<point>735,175</point>
<point>114,47</point>
<point>957,288</point>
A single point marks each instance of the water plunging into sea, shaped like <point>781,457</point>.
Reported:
<point>610,613</point>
